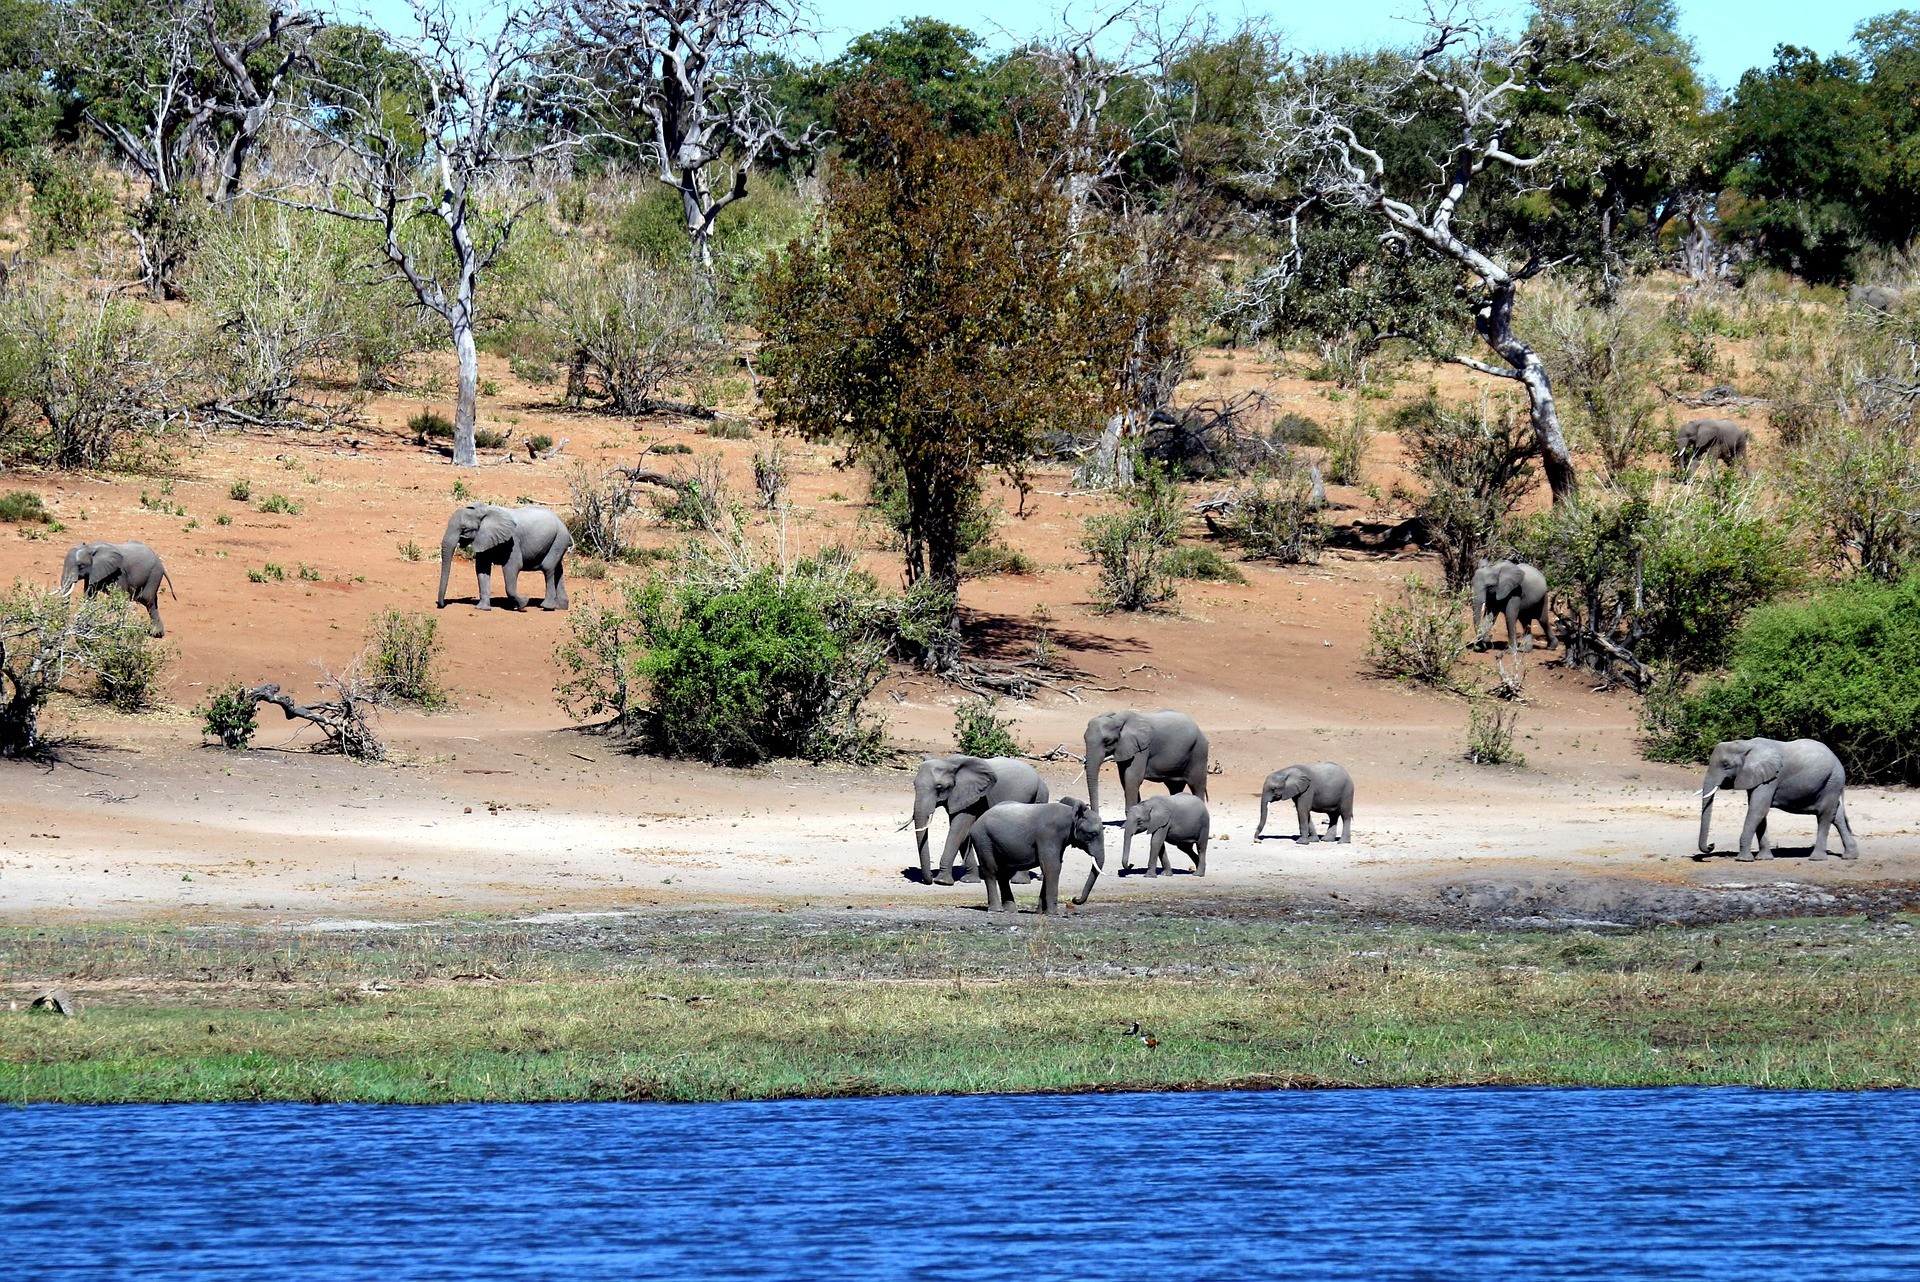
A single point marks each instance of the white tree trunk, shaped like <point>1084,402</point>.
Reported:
<point>467,406</point>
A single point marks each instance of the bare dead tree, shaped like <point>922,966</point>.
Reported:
<point>1475,79</point>
<point>344,720</point>
<point>427,128</point>
<point>177,93</point>
<point>687,68</point>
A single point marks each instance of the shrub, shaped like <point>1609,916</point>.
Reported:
<point>280,503</point>
<point>1346,452</point>
<point>70,206</point>
<point>1647,578</point>
<point>770,476</point>
<point>42,639</point>
<point>529,370</point>
<point>1491,724</point>
<point>1203,563</point>
<point>228,715</point>
<point>399,656</point>
<point>1131,548</point>
<point>240,491</point>
<point>127,663</point>
<point>1421,639</point>
<point>1855,482</point>
<point>700,499</point>
<point>1277,518</point>
<point>984,560</point>
<point>490,438</point>
<point>979,733</point>
<point>430,426</point>
<point>1843,668</point>
<point>730,429</point>
<point>1477,466</point>
<point>599,503</point>
<point>85,382</point>
<point>740,663</point>
<point>24,507</point>
<point>1605,363</point>
<point>1296,429</point>
<point>628,332</point>
<point>271,572</point>
<point>540,442</point>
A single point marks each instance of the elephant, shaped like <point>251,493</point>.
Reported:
<point>1181,820</point>
<point>1019,835</point>
<point>965,787</point>
<point>1720,439</point>
<point>1875,298</point>
<point>1165,747</point>
<point>514,539</point>
<point>1322,788</point>
<point>134,568</point>
<point>1513,589</point>
<point>1801,777</point>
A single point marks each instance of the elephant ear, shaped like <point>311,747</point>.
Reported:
<point>971,784</point>
<point>1135,734</point>
<point>1510,579</point>
<point>1762,765</point>
<point>107,564</point>
<point>496,528</point>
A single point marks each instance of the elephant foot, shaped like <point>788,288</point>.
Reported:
<point>938,879</point>
<point>1745,859</point>
<point>1818,856</point>
<point>484,605</point>
<point>971,878</point>
<point>548,605</point>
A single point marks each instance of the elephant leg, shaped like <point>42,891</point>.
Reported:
<point>958,826</point>
<point>556,597</point>
<point>1333,821</point>
<point>483,577</point>
<point>1822,823</point>
<point>1762,843</point>
<point>510,575</point>
<point>1759,801</point>
<point>1516,630</point>
<point>153,613</point>
<point>1199,853</point>
<point>1157,853</point>
<point>1303,807</point>
<point>1848,850</point>
<point>1346,827</point>
<point>1050,882</point>
<point>995,887</point>
<point>1006,894</point>
<point>1132,775</point>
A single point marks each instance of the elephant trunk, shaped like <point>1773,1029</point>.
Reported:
<point>1261,828</point>
<point>448,547</point>
<point>1096,755</point>
<point>1093,875</point>
<point>1706,821</point>
<point>922,816</point>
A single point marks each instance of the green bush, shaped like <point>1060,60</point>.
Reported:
<point>127,663</point>
<point>1296,429</point>
<point>1190,561</point>
<point>71,206</point>
<point>399,656</point>
<point>1490,729</point>
<point>739,664</point>
<point>279,503</point>
<point>490,438</point>
<point>979,733</point>
<point>1477,465</point>
<point>1843,668</point>
<point>240,491</point>
<point>24,507</point>
<point>430,426</point>
<point>730,429</point>
<point>984,560</point>
<point>1277,518</point>
<point>1421,639</point>
<point>43,637</point>
<point>1131,548</point>
<point>228,715</point>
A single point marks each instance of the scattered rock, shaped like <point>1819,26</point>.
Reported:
<point>56,999</point>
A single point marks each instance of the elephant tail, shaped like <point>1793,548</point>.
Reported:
<point>168,580</point>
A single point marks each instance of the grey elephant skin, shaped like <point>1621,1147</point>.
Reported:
<point>1180,820</point>
<point>1878,298</point>
<point>1719,439</point>
<point>134,568</point>
<point>1158,747</point>
<point>966,787</point>
<point>1023,836</point>
<point>1321,788</point>
<point>1515,591</point>
<point>1800,776</point>
<point>512,539</point>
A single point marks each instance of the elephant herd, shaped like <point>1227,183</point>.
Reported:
<point>510,540</point>
<point>1004,826</point>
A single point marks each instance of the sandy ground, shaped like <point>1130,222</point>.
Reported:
<point>501,806</point>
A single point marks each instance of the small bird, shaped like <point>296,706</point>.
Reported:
<point>1144,1038</point>
<point>1358,1061</point>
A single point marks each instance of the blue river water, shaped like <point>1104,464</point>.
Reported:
<point>1386,1184</point>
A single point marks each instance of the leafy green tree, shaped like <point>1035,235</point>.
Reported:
<point>939,318</point>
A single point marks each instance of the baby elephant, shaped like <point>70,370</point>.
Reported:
<point>1017,836</point>
<point>1720,439</point>
<point>1180,820</point>
<point>134,568</point>
<point>1322,788</point>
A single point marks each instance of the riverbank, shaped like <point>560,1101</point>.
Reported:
<point>765,1005</point>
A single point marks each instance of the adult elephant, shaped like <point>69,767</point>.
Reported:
<point>134,568</point>
<point>1719,439</point>
<point>1800,776</point>
<point>514,539</point>
<point>1162,747</point>
<point>1875,298</point>
<point>1513,590</point>
<point>965,787</point>
<point>1020,837</point>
